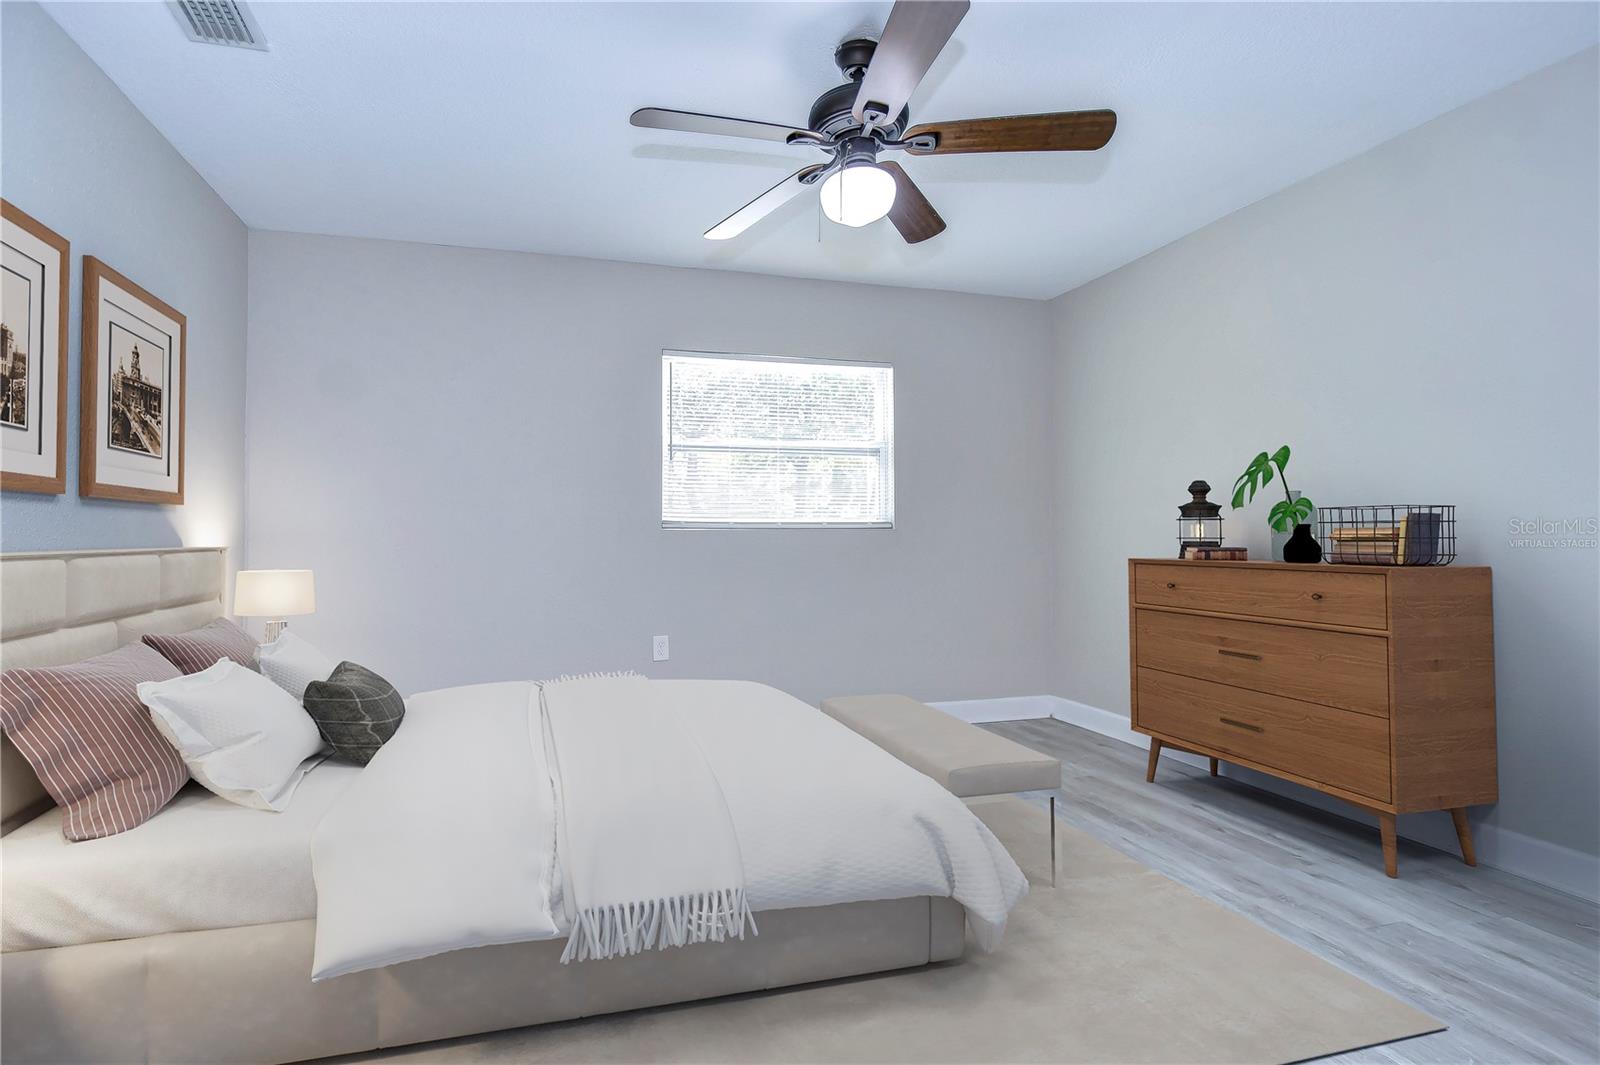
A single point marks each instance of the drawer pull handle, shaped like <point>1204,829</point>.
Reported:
<point>1171,584</point>
<point>1241,724</point>
<point>1316,595</point>
<point>1238,654</point>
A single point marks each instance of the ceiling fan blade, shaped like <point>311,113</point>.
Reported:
<point>915,34</point>
<point>764,204</point>
<point>911,214</point>
<point>1063,131</point>
<point>717,125</point>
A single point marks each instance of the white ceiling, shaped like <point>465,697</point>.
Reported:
<point>506,125</point>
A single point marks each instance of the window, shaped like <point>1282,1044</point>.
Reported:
<point>756,441</point>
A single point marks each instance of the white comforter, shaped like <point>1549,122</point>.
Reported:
<point>202,862</point>
<point>447,838</point>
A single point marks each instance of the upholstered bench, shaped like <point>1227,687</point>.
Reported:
<point>966,760</point>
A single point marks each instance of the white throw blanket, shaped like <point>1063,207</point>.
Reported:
<point>661,872</point>
<point>450,837</point>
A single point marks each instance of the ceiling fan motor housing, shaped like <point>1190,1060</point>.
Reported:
<point>831,114</point>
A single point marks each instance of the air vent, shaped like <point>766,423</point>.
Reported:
<point>226,22</point>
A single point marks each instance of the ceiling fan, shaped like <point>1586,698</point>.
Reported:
<point>857,121</point>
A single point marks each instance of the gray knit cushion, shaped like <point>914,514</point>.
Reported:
<point>357,711</point>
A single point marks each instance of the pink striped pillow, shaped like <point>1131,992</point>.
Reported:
<point>90,739</point>
<point>202,648</point>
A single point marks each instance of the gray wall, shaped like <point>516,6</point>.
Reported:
<point>80,158</point>
<point>465,446</point>
<point>1420,324</point>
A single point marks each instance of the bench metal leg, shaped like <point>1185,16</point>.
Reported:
<point>1052,841</point>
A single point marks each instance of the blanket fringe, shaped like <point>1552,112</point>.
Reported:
<point>596,675</point>
<point>635,927</point>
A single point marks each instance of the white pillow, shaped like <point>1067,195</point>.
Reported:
<point>241,736</point>
<point>291,663</point>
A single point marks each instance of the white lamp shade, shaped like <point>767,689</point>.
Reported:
<point>857,195</point>
<point>274,593</point>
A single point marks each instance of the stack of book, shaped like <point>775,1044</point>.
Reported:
<point>1228,554</point>
<point>1371,544</point>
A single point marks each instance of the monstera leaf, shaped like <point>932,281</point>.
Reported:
<point>1286,515</point>
<point>1256,475</point>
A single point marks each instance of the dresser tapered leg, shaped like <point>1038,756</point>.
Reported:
<point>1155,756</point>
<point>1213,767</point>
<point>1391,857</point>
<point>1464,835</point>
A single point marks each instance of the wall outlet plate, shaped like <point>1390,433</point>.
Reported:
<point>659,649</point>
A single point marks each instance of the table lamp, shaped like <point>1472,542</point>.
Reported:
<point>274,594</point>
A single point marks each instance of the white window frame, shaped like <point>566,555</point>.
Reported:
<point>813,360</point>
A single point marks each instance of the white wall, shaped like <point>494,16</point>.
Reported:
<point>465,446</point>
<point>1420,324</point>
<point>76,155</point>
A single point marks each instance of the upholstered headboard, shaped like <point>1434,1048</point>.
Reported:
<point>60,606</point>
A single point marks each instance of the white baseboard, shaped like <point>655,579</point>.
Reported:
<point>1011,708</point>
<point>1551,864</point>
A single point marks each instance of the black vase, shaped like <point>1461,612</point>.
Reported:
<point>1302,546</point>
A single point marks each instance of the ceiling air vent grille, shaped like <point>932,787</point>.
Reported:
<point>226,22</point>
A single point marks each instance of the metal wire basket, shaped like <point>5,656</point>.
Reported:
<point>1398,534</point>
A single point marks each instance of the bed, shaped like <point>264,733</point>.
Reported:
<point>191,937</point>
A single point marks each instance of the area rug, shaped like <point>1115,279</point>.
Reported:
<point>1115,964</point>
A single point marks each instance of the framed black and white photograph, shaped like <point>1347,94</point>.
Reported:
<point>133,394</point>
<point>34,264</point>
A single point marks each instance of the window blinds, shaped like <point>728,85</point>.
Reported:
<point>761,441</point>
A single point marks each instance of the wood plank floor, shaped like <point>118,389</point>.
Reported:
<point>1511,966</point>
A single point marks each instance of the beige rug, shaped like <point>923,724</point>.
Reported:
<point>1116,964</point>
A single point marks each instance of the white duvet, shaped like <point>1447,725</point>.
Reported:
<point>447,839</point>
<point>202,862</point>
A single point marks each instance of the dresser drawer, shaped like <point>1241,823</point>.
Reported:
<point>1316,593</point>
<point>1331,746</point>
<point>1333,668</point>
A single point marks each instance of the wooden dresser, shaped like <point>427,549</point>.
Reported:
<point>1374,684</point>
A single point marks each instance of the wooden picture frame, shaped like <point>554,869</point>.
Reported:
<point>131,431</point>
<point>35,275</point>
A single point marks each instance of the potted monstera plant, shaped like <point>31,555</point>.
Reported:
<point>1292,512</point>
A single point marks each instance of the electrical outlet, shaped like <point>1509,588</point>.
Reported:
<point>660,649</point>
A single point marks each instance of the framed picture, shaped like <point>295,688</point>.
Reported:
<point>34,262</point>
<point>133,395</point>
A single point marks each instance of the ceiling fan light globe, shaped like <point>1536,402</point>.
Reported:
<point>857,195</point>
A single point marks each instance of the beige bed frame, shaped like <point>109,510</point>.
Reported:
<point>245,994</point>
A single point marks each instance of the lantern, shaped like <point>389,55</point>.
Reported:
<point>1199,520</point>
